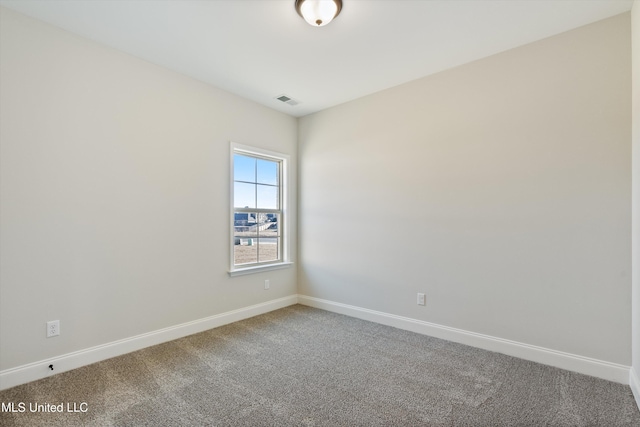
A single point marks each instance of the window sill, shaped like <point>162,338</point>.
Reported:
<point>259,269</point>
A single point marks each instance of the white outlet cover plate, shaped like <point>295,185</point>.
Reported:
<point>421,299</point>
<point>53,328</point>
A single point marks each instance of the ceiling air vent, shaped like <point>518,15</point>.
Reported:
<point>287,100</point>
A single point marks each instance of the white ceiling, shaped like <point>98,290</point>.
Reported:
<point>260,49</point>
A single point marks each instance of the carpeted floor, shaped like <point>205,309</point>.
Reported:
<point>300,366</point>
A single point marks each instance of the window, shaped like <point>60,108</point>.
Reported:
<point>258,216</point>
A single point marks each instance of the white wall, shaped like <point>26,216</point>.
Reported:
<point>114,184</point>
<point>501,188</point>
<point>635,23</point>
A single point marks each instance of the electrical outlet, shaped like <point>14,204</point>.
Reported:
<point>421,299</point>
<point>267,284</point>
<point>53,328</point>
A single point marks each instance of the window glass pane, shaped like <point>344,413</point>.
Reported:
<point>271,226</point>
<point>244,195</point>
<point>268,249</point>
<point>242,221</point>
<point>260,220</point>
<point>267,197</point>
<point>246,253</point>
<point>244,168</point>
<point>267,172</point>
<point>245,236</point>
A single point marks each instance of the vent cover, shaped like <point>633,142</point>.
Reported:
<point>287,100</point>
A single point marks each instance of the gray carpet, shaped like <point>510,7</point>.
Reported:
<point>300,366</point>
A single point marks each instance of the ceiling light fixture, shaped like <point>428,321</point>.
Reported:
<point>318,12</point>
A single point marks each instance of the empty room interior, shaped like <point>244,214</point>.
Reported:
<point>394,213</point>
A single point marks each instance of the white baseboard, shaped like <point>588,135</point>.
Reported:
<point>572,362</point>
<point>37,370</point>
<point>585,365</point>
<point>634,382</point>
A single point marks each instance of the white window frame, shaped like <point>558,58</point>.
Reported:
<point>283,159</point>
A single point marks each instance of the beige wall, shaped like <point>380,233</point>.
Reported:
<point>114,183</point>
<point>635,22</point>
<point>501,189</point>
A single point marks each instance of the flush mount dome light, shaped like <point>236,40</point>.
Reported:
<point>318,12</point>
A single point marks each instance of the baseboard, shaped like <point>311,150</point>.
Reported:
<point>37,370</point>
<point>585,365</point>
<point>634,382</point>
<point>572,362</point>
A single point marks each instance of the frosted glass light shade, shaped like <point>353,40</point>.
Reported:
<point>318,12</point>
